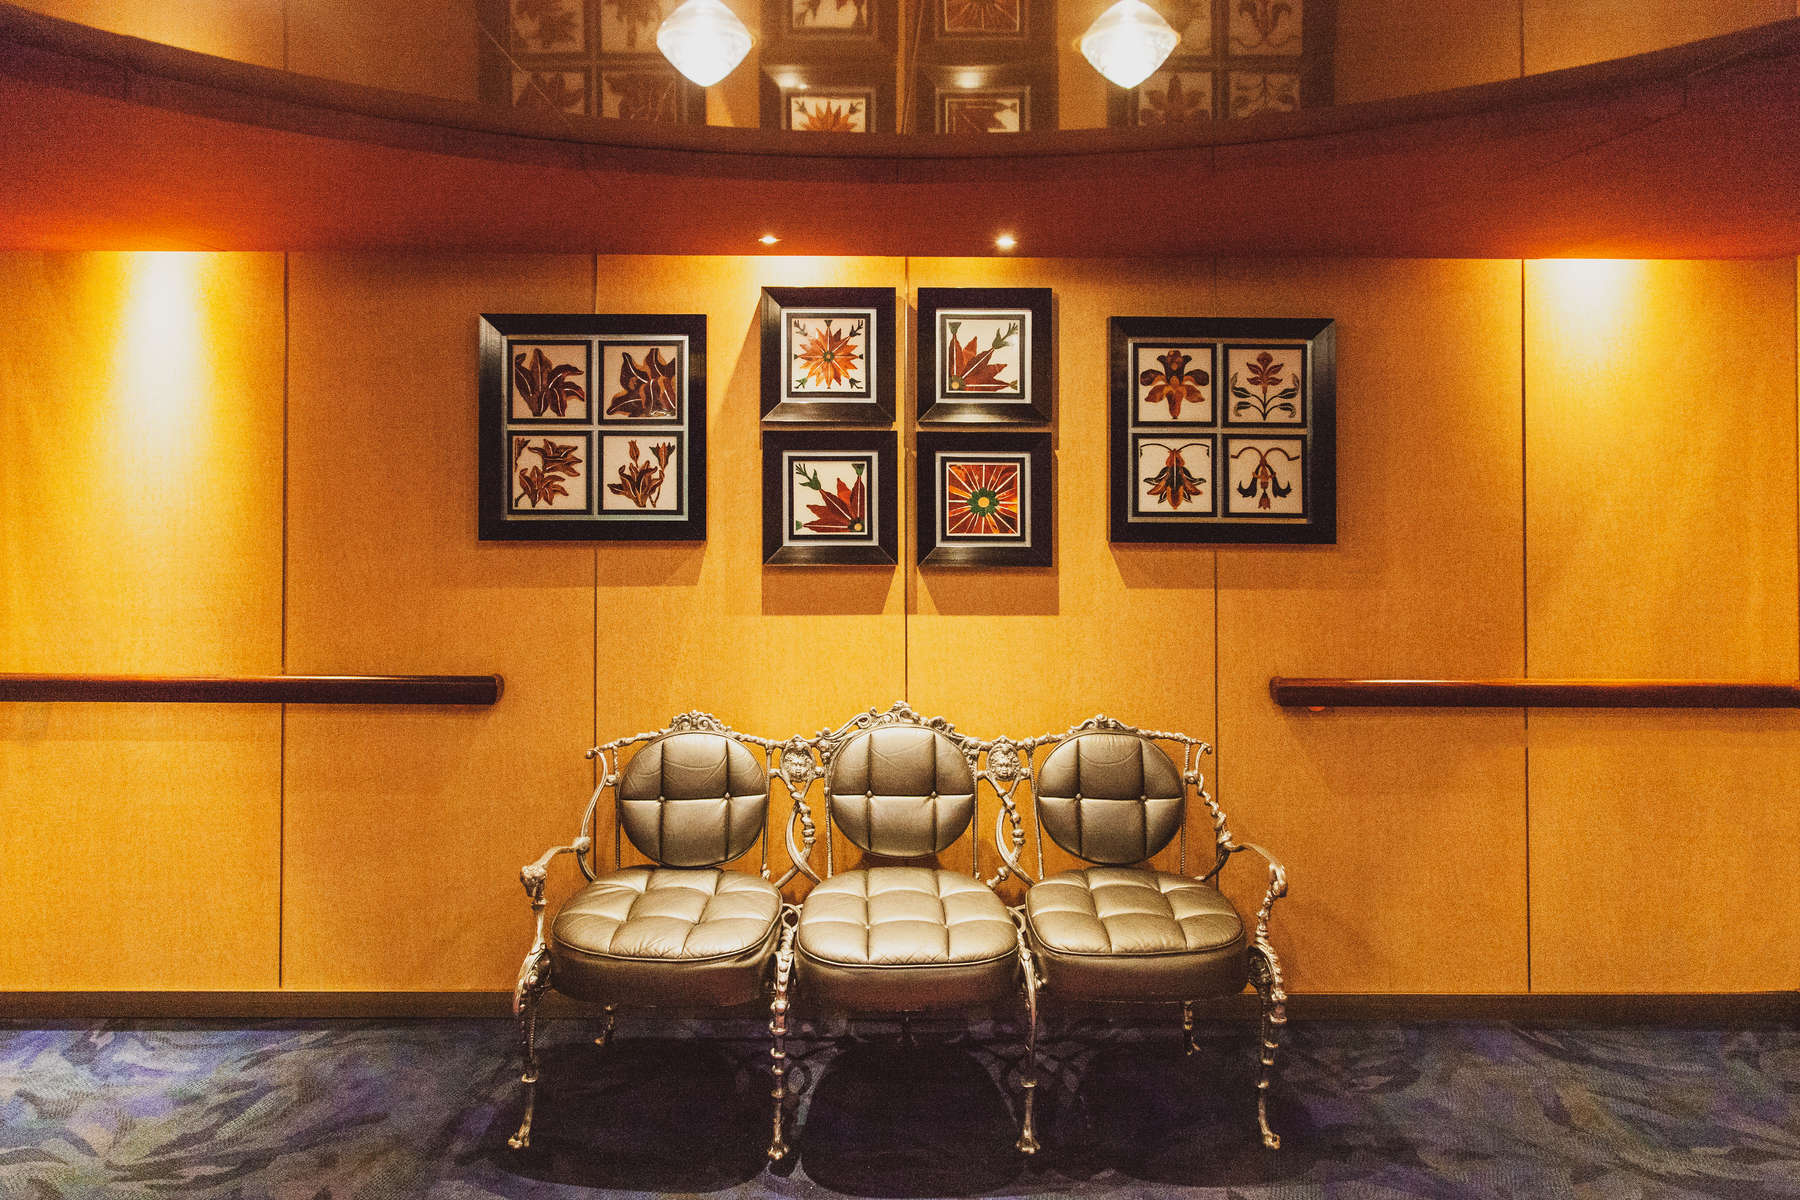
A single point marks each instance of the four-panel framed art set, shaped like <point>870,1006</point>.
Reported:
<point>594,427</point>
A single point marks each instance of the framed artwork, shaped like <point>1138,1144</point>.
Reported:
<point>844,95</point>
<point>830,496</point>
<point>828,355</point>
<point>592,427</point>
<point>1223,429</point>
<point>985,355</point>
<point>590,57</point>
<point>985,499</point>
<point>1237,58</point>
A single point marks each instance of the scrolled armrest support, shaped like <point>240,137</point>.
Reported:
<point>1277,885</point>
<point>534,875</point>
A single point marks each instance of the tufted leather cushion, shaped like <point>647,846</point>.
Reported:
<point>1109,797</point>
<point>650,936</point>
<point>901,790</point>
<point>903,939</point>
<point>693,799</point>
<point>1115,933</point>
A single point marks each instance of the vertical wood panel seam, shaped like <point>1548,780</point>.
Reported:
<point>1525,579</point>
<point>287,355</point>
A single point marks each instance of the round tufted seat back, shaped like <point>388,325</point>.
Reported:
<point>901,790</point>
<point>1110,798</point>
<point>693,799</point>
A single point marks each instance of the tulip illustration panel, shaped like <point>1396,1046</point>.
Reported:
<point>829,497</point>
<point>1223,429</point>
<point>984,499</point>
<point>828,355</point>
<point>592,427</point>
<point>985,355</point>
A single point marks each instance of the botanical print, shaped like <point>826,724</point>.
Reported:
<point>646,381</point>
<point>1264,382</point>
<point>1174,383</point>
<point>546,26</point>
<point>640,95</point>
<point>550,91</point>
<point>828,16</point>
<point>629,26</point>
<point>1174,476</point>
<point>980,499</point>
<point>982,17</point>
<point>981,355</point>
<point>827,352</point>
<point>1266,26</point>
<point>981,112</point>
<point>639,473</point>
<point>829,112</point>
<point>548,472</point>
<point>1265,477</point>
<point>1197,34</point>
<point>1172,97</point>
<point>1253,93</point>
<point>829,497</point>
<point>549,380</point>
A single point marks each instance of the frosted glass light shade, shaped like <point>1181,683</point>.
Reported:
<point>704,39</point>
<point>1127,42</point>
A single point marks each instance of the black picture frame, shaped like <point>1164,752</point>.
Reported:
<point>1035,543</point>
<point>499,518</point>
<point>1035,403</point>
<point>780,402</point>
<point>1303,441</point>
<point>841,78</point>
<point>784,547</point>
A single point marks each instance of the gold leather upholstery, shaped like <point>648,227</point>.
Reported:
<point>1110,798</point>
<point>901,790</point>
<point>693,799</point>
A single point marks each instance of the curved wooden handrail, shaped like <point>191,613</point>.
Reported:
<point>1533,693</point>
<point>255,689</point>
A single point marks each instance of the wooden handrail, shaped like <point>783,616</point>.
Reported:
<point>255,689</point>
<point>1534,693</point>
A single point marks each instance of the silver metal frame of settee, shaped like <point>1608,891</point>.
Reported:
<point>1005,763</point>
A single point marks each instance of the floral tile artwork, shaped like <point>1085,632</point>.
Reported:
<point>829,111</point>
<point>1197,34</point>
<point>642,381</point>
<point>1174,474</point>
<point>829,498</point>
<point>981,499</point>
<point>549,381</point>
<point>1174,382</point>
<point>828,16</point>
<point>981,18</point>
<point>1172,97</point>
<point>1265,385</point>
<point>550,91</point>
<point>827,352</point>
<point>550,472</point>
<point>1254,92</point>
<point>549,26</point>
<point>987,110</point>
<point>1266,26</point>
<point>629,26</point>
<point>640,95</point>
<point>982,354</point>
<point>640,472</point>
<point>1265,477</point>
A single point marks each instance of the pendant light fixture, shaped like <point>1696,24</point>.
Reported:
<point>1127,42</point>
<point>704,40</point>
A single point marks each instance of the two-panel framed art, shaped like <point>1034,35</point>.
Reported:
<point>592,427</point>
<point>1223,429</point>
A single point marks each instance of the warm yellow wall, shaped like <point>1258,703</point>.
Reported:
<point>247,30</point>
<point>140,531</point>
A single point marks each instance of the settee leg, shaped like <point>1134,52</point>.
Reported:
<point>606,1027</point>
<point>778,1016</point>
<point>1189,1046</point>
<point>534,977</point>
<point>1265,973</point>
<point>1028,1142</point>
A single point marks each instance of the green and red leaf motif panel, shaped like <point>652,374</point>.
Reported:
<point>829,497</point>
<point>983,355</point>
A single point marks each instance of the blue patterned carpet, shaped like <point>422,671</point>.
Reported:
<point>341,1109</point>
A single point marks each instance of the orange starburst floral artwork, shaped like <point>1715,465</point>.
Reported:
<point>981,499</point>
<point>827,358</point>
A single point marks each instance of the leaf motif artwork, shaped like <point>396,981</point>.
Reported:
<point>973,367</point>
<point>640,96</point>
<point>834,16</point>
<point>981,499</point>
<point>1175,485</point>
<point>1265,476</point>
<point>1178,383</point>
<point>545,25</point>
<point>1253,92</point>
<point>641,481</point>
<point>828,114</point>
<point>983,16</point>
<point>980,113</point>
<point>547,388</point>
<point>649,390</point>
<point>1266,26</point>
<point>1175,97</point>
<point>553,477</point>
<point>1265,384</point>
<point>550,91</point>
<point>630,25</point>
<point>842,506</point>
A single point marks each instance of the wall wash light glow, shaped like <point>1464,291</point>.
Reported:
<point>161,359</point>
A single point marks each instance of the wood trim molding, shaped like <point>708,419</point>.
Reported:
<point>1533,693</point>
<point>254,689</point>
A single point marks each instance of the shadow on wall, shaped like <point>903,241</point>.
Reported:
<point>794,591</point>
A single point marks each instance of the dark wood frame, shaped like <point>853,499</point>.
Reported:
<point>883,445</point>
<point>1534,693</point>
<point>1038,508</point>
<point>494,468</point>
<point>780,40</point>
<point>1039,405</point>
<point>1319,431</point>
<point>879,408</point>
<point>253,689</point>
<point>1314,65</point>
<point>875,76</point>
<point>932,81</point>
<point>499,57</point>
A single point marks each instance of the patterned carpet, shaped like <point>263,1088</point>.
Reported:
<point>339,1109</point>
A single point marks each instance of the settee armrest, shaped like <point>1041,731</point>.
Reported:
<point>1277,884</point>
<point>533,875</point>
